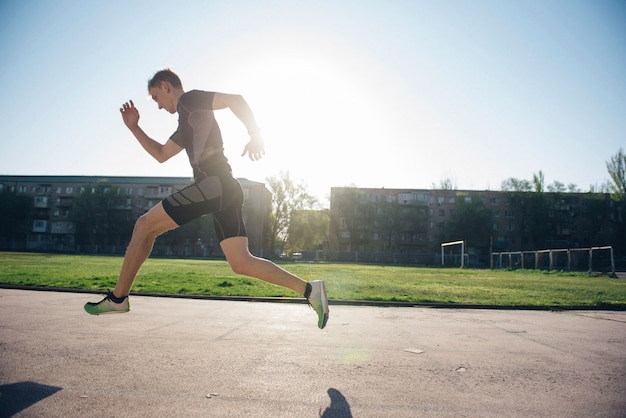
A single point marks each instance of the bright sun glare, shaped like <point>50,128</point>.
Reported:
<point>313,115</point>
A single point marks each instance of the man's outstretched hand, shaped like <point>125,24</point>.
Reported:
<point>255,149</point>
<point>130,114</point>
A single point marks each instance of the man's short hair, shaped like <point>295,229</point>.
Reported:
<point>166,75</point>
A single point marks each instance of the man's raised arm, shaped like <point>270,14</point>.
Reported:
<point>240,108</point>
<point>160,152</point>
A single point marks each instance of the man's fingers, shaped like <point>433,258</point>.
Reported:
<point>254,152</point>
<point>256,156</point>
<point>127,106</point>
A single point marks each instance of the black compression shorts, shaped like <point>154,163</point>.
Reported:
<point>220,195</point>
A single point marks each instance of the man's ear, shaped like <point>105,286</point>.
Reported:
<point>165,86</point>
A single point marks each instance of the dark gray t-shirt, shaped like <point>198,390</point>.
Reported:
<point>200,135</point>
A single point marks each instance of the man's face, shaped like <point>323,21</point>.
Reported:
<point>164,97</point>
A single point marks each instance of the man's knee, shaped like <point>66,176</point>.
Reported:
<point>238,266</point>
<point>154,223</point>
<point>144,227</point>
<point>241,264</point>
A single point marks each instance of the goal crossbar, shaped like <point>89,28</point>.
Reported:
<point>447,244</point>
<point>551,254</point>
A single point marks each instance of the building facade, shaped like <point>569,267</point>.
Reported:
<point>418,221</point>
<point>62,206</point>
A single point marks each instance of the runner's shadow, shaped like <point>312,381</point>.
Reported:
<point>339,406</point>
<point>15,397</point>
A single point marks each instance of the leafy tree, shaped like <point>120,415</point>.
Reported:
<point>287,197</point>
<point>616,167</point>
<point>445,184</point>
<point>349,207</point>
<point>596,213</point>
<point>404,224</point>
<point>102,216</point>
<point>538,182</point>
<point>15,217</point>
<point>538,185</point>
<point>533,213</point>
<point>556,187</point>
<point>516,185</point>
<point>471,221</point>
<point>308,230</point>
<point>572,188</point>
<point>195,239</point>
<point>604,187</point>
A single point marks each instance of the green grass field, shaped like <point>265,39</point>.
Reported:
<point>344,281</point>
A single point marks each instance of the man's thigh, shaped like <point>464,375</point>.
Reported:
<point>157,220</point>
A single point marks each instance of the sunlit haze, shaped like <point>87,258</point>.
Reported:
<point>395,94</point>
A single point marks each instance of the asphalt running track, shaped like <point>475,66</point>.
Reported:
<point>213,358</point>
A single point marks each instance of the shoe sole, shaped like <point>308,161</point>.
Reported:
<point>105,313</point>
<point>324,305</point>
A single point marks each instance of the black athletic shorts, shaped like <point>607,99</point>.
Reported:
<point>219,195</point>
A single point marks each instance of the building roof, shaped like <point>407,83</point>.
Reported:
<point>110,179</point>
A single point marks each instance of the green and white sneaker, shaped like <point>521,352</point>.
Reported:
<point>110,304</point>
<point>316,296</point>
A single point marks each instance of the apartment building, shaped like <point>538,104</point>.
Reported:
<point>55,200</point>
<point>417,221</point>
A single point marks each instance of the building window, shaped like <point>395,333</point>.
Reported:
<point>405,198</point>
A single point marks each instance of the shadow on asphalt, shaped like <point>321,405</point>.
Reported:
<point>15,397</point>
<point>339,406</point>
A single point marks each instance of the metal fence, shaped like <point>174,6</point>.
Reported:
<point>432,259</point>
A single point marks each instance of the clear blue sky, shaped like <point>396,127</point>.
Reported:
<point>369,93</point>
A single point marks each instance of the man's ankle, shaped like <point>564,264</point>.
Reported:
<point>116,299</point>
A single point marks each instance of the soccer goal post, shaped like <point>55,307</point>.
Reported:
<point>451,244</point>
<point>598,259</point>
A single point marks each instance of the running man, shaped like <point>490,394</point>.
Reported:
<point>214,191</point>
